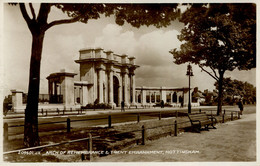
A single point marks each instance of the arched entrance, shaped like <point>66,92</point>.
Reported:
<point>115,90</point>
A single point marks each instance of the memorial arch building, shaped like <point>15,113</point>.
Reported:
<point>106,77</point>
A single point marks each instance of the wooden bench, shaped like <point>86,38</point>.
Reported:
<point>199,120</point>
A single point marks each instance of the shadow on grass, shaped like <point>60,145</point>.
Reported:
<point>108,139</point>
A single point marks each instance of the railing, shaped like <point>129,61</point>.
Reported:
<point>225,116</point>
<point>138,116</point>
<point>89,147</point>
<point>107,117</point>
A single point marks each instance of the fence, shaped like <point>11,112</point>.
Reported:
<point>71,111</point>
<point>150,115</point>
<point>89,145</point>
<point>225,116</point>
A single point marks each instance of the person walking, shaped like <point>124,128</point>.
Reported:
<point>122,106</point>
<point>240,105</point>
<point>162,104</point>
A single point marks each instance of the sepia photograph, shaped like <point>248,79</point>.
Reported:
<point>159,82</point>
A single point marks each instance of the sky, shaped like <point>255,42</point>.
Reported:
<point>62,43</point>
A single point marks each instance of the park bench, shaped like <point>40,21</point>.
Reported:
<point>199,120</point>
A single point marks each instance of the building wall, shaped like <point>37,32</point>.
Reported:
<point>97,67</point>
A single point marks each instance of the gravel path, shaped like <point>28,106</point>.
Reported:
<point>232,141</point>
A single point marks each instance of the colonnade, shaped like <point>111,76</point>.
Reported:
<point>153,95</point>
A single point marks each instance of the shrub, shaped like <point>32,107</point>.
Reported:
<point>97,106</point>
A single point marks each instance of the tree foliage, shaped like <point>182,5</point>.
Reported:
<point>136,15</point>
<point>234,89</point>
<point>217,38</point>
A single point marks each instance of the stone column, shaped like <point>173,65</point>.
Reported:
<point>100,85</point>
<point>185,98</point>
<point>155,97</point>
<point>120,90</point>
<point>177,97</point>
<point>150,97</point>
<point>143,97</point>
<point>17,98</point>
<point>136,97</point>
<point>125,89</point>
<point>84,95</point>
<point>163,95</point>
<point>80,95</point>
<point>111,88</point>
<point>133,87</point>
<point>129,89</point>
<point>75,96</point>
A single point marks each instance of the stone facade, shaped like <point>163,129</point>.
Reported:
<point>110,76</point>
<point>106,77</point>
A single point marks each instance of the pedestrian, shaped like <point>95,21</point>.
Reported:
<point>240,105</point>
<point>95,103</point>
<point>122,106</point>
<point>162,104</point>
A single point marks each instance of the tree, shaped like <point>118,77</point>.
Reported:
<point>137,15</point>
<point>235,87</point>
<point>218,38</point>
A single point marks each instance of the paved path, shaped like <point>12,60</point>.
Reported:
<point>232,141</point>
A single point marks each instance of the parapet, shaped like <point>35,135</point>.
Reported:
<point>98,53</point>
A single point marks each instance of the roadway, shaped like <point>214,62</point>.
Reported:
<point>47,124</point>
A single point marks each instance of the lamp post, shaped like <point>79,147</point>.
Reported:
<point>189,73</point>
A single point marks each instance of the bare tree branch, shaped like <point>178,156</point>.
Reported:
<point>214,72</point>
<point>65,21</point>
<point>25,14</point>
<point>215,77</point>
<point>32,10</point>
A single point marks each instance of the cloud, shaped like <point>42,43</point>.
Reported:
<point>149,45</point>
<point>113,38</point>
<point>151,51</point>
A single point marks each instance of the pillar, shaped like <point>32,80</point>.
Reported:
<point>143,96</point>
<point>80,97</point>
<point>67,90</point>
<point>136,97</point>
<point>163,95</point>
<point>150,97</point>
<point>125,89</point>
<point>133,88</point>
<point>185,98</point>
<point>84,95</point>
<point>100,86</point>
<point>155,97</point>
<point>17,98</point>
<point>111,88</point>
<point>177,97</point>
<point>75,96</point>
<point>120,90</point>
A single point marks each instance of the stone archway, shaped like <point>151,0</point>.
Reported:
<point>116,90</point>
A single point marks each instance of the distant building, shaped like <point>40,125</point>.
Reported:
<point>106,77</point>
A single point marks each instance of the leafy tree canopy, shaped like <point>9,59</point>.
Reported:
<point>219,36</point>
<point>235,87</point>
<point>159,15</point>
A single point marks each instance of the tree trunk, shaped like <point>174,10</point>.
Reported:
<point>31,137</point>
<point>220,93</point>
